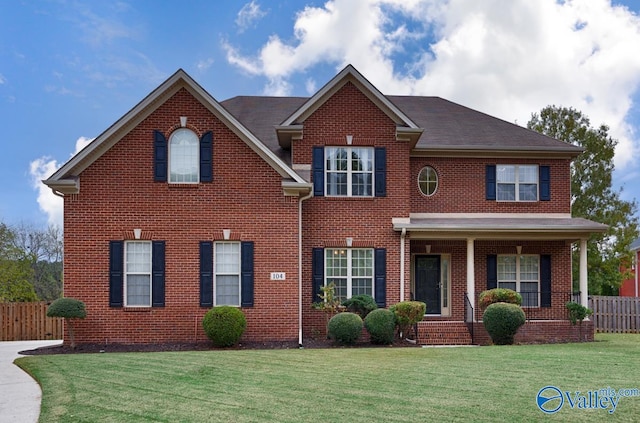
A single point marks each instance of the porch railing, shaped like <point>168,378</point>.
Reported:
<point>468,316</point>
<point>537,305</point>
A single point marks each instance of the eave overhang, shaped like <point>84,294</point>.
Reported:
<point>496,228</point>
<point>494,152</point>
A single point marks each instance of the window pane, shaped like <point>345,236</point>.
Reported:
<point>528,174</point>
<point>362,159</point>
<point>184,156</point>
<point>529,292</point>
<point>428,180</point>
<point>528,192</point>
<point>228,290</point>
<point>138,290</point>
<point>336,184</point>
<point>506,192</point>
<point>362,263</point>
<point>361,184</point>
<point>361,286</point>
<point>529,268</point>
<point>336,263</point>
<point>507,285</point>
<point>341,287</point>
<point>227,257</point>
<point>336,159</point>
<point>506,173</point>
<point>507,268</point>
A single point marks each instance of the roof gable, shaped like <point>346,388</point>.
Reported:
<point>292,125</point>
<point>66,179</point>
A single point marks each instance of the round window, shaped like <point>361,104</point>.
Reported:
<point>428,181</point>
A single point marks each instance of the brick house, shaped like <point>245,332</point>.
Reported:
<point>256,202</point>
<point>631,287</point>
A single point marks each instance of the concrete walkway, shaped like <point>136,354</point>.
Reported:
<point>20,395</point>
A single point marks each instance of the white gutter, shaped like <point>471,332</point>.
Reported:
<point>402,235</point>
<point>300,265</point>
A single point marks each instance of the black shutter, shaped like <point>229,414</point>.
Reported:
<point>157,274</point>
<point>545,183</point>
<point>492,271</point>
<point>160,157</point>
<point>317,270</point>
<point>116,273</point>
<point>380,277</point>
<point>380,166</point>
<point>490,182</point>
<point>206,274</point>
<point>246,273</point>
<point>318,171</point>
<point>545,280</point>
<point>206,157</point>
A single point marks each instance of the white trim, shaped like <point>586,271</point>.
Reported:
<point>518,280</point>
<point>349,276</point>
<point>236,273</point>
<point>349,171</point>
<point>127,273</point>
<point>481,216</point>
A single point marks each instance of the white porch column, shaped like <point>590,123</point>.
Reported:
<point>471,283</point>
<point>584,281</point>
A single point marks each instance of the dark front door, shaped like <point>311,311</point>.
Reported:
<point>427,282</point>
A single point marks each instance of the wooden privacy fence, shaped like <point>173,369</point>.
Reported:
<point>28,321</point>
<point>615,314</point>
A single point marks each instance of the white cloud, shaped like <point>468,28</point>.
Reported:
<point>248,15</point>
<point>508,59</point>
<point>42,168</point>
<point>205,64</point>
<point>3,80</point>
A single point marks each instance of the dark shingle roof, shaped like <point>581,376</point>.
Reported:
<point>447,125</point>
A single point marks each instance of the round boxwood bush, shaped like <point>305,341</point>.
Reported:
<point>70,309</point>
<point>502,321</point>
<point>498,295</point>
<point>345,328</point>
<point>224,325</point>
<point>381,325</point>
<point>362,304</point>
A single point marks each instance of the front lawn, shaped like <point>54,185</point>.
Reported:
<point>337,385</point>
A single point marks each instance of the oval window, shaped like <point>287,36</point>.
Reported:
<point>428,181</point>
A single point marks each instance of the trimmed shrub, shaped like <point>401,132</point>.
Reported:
<point>502,321</point>
<point>381,325</point>
<point>69,308</point>
<point>361,304</point>
<point>407,314</point>
<point>577,312</point>
<point>345,328</point>
<point>498,295</point>
<point>224,325</point>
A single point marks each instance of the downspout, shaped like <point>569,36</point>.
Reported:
<point>306,197</point>
<point>402,235</point>
<point>636,270</point>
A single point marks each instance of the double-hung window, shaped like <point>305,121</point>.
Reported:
<point>349,171</point>
<point>517,182</point>
<point>227,273</point>
<point>184,157</point>
<point>137,277</point>
<point>351,270</point>
<point>521,273</point>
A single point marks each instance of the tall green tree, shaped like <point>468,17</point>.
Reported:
<point>15,270</point>
<point>593,196</point>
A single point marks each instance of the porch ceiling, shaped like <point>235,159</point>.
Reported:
<point>483,228</point>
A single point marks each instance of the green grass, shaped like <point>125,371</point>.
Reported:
<point>335,385</point>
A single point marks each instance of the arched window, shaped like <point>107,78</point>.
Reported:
<point>428,181</point>
<point>184,157</point>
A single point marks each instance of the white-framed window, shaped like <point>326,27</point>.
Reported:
<point>137,277</point>
<point>349,171</point>
<point>227,273</point>
<point>521,273</point>
<point>184,157</point>
<point>428,181</point>
<point>351,270</point>
<point>517,182</point>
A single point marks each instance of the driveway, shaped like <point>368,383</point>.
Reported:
<point>20,395</point>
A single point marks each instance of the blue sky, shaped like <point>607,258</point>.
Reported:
<point>69,69</point>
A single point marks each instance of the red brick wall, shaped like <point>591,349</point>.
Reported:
<point>461,187</point>
<point>329,221</point>
<point>118,194</point>
<point>628,287</point>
